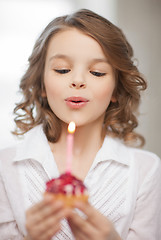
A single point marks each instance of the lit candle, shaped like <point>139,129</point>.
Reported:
<point>70,141</point>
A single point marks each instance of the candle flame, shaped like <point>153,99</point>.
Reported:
<point>71,127</point>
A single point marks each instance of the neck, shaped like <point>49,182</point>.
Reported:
<point>84,137</point>
<point>87,141</point>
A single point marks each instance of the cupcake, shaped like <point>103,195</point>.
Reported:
<point>67,188</point>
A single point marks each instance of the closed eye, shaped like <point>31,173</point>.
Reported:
<point>62,71</point>
<point>97,74</point>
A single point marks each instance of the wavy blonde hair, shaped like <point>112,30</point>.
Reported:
<point>120,118</point>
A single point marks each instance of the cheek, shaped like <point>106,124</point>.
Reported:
<point>105,93</point>
<point>52,88</point>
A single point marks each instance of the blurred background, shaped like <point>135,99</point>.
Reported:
<point>21,22</point>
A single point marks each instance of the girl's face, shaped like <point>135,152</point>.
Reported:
<point>79,81</point>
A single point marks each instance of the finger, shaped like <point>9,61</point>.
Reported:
<point>91,213</point>
<point>38,206</point>
<point>50,232</point>
<point>48,211</point>
<point>44,211</point>
<point>53,220</point>
<point>76,232</point>
<point>81,226</point>
<point>98,220</point>
<point>47,227</point>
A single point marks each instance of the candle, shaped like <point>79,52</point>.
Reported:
<point>70,141</point>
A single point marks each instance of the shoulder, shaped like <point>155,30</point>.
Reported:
<point>139,155</point>
<point>6,156</point>
<point>145,164</point>
<point>22,144</point>
<point>138,159</point>
<point>145,159</point>
<point>8,152</point>
<point>144,169</point>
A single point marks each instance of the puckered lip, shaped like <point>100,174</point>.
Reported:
<point>75,102</point>
<point>75,99</point>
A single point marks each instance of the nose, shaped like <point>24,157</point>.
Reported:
<point>77,82</point>
<point>78,78</point>
<point>77,85</point>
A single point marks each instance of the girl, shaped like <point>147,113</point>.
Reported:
<point>81,69</point>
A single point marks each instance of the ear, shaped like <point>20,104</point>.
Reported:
<point>43,94</point>
<point>113,99</point>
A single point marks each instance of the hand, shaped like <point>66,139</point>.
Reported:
<point>93,227</point>
<point>43,219</point>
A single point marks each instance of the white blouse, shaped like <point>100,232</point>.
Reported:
<point>123,183</point>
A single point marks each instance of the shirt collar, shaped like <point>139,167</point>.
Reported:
<point>35,146</point>
<point>113,149</point>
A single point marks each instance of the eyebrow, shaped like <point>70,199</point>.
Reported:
<point>97,60</point>
<point>57,56</point>
<point>62,56</point>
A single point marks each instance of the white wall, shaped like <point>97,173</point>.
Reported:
<point>141,22</point>
<point>106,8</point>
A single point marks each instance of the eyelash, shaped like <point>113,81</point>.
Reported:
<point>97,74</point>
<point>64,71</point>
